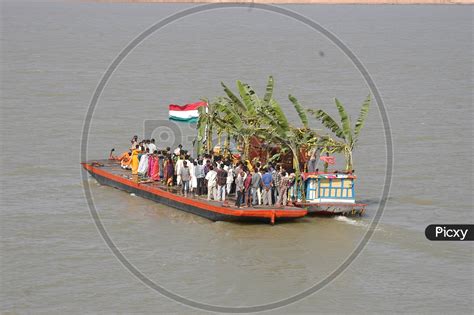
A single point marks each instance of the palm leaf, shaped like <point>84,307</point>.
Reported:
<point>345,121</point>
<point>300,110</point>
<point>364,110</point>
<point>328,122</point>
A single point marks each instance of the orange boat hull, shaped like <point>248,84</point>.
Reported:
<point>109,173</point>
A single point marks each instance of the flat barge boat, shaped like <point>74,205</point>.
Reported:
<point>109,173</point>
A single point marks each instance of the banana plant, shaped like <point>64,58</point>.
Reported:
<point>242,111</point>
<point>207,123</point>
<point>344,131</point>
<point>281,131</point>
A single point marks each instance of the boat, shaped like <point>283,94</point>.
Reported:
<point>326,193</point>
<point>109,173</point>
<point>330,193</point>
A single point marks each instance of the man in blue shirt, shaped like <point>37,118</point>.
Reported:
<point>267,187</point>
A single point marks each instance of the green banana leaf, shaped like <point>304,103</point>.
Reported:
<point>269,91</point>
<point>234,98</point>
<point>232,118</point>
<point>328,122</point>
<point>345,121</point>
<point>364,110</point>
<point>249,97</point>
<point>278,115</point>
<point>300,110</point>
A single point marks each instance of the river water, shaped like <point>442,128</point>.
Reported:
<point>53,260</point>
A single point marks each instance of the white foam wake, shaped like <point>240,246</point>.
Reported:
<point>350,221</point>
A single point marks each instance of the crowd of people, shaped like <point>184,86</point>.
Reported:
<point>210,175</point>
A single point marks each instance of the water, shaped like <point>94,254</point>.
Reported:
<point>53,259</point>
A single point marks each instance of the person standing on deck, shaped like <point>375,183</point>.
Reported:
<point>169,172</point>
<point>155,167</point>
<point>267,188</point>
<point>150,164</point>
<point>143,165</point>
<point>256,183</point>
<point>248,188</point>
<point>161,162</point>
<point>221,182</point>
<point>193,181</point>
<point>199,172</point>
<point>135,160</point>
<point>134,143</point>
<point>211,178</point>
<point>237,170</point>
<point>313,161</point>
<point>177,151</point>
<point>230,179</point>
<point>206,160</point>
<point>178,167</point>
<point>185,175</point>
<point>152,146</point>
<point>239,187</point>
<point>282,198</point>
<point>291,187</point>
<point>259,190</point>
<point>207,167</point>
<point>165,170</point>
<point>146,143</point>
<point>243,173</point>
<point>276,179</point>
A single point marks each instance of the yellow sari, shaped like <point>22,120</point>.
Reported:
<point>135,161</point>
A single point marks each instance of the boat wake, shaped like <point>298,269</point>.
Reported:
<point>350,221</point>
<point>358,222</point>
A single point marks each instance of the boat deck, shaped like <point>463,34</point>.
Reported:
<point>110,173</point>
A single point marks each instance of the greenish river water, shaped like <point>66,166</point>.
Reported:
<point>53,260</point>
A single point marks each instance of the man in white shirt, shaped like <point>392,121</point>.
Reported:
<point>211,178</point>
<point>134,143</point>
<point>177,151</point>
<point>230,178</point>
<point>152,146</point>
<point>178,167</point>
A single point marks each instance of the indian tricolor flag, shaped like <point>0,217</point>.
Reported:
<point>185,113</point>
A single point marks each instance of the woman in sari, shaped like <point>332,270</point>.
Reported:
<point>165,170</point>
<point>154,167</point>
<point>169,172</point>
<point>150,164</point>
<point>161,162</point>
<point>143,165</point>
<point>135,160</point>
